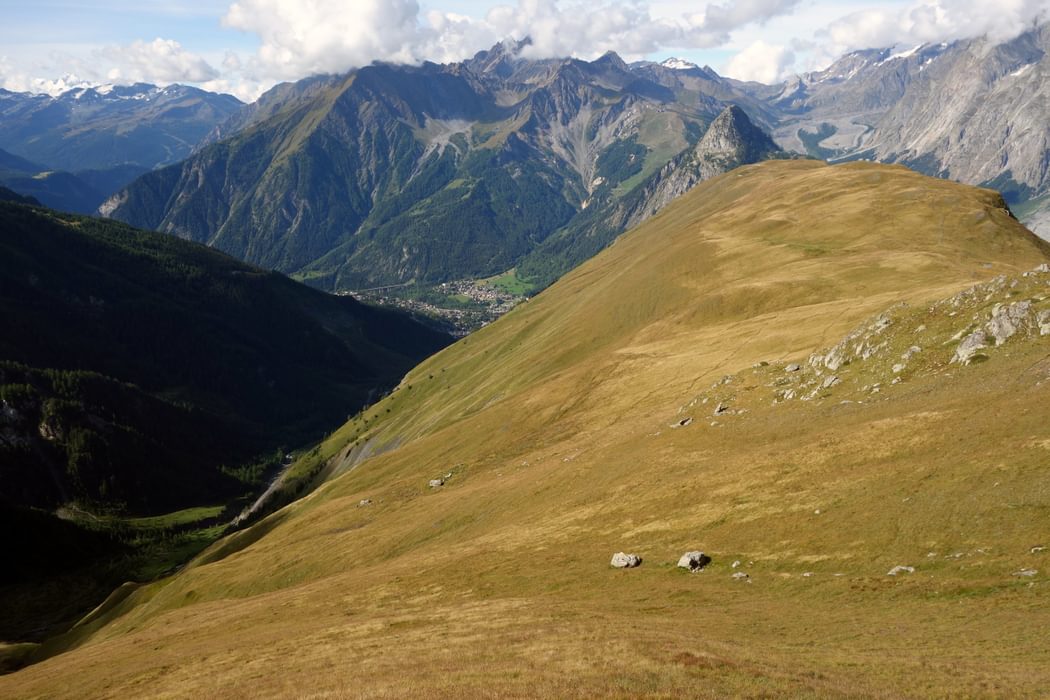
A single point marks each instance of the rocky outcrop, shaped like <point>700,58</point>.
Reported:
<point>730,141</point>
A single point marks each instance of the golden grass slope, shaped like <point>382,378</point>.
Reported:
<point>552,430</point>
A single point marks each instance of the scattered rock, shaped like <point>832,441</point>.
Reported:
<point>836,358</point>
<point>1043,321</point>
<point>694,561</point>
<point>682,423</point>
<point>807,574</point>
<point>740,576</point>
<point>1028,573</point>
<point>969,346</point>
<point>1007,320</point>
<point>1042,268</point>
<point>364,503</point>
<point>899,569</point>
<point>721,409</point>
<point>620,560</point>
<point>830,382</point>
<point>921,328</point>
<point>910,352</point>
<point>736,563</point>
<point>435,483</point>
<point>1036,550</point>
<point>898,368</point>
<point>793,367</point>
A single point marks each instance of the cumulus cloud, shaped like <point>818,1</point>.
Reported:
<point>930,21</point>
<point>331,36</point>
<point>161,61</point>
<point>762,63</point>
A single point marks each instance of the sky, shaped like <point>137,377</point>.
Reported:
<point>246,46</point>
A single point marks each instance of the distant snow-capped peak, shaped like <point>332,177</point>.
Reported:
<point>678,64</point>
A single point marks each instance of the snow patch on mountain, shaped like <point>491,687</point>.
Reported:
<point>678,64</point>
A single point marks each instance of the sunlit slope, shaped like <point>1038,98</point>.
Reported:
<point>552,430</point>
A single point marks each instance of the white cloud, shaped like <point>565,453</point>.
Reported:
<point>331,36</point>
<point>761,62</point>
<point>161,61</point>
<point>933,21</point>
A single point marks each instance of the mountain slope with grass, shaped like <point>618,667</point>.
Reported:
<point>463,526</point>
<point>140,376</point>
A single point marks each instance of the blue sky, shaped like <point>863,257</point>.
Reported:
<point>245,46</point>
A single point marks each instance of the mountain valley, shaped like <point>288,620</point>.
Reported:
<point>463,525</point>
<point>526,376</point>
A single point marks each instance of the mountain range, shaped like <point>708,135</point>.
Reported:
<point>390,175</point>
<point>972,111</point>
<point>73,151</point>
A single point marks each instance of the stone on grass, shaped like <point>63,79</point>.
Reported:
<point>900,569</point>
<point>793,367</point>
<point>1007,320</point>
<point>969,346</point>
<point>364,503</point>
<point>1026,572</point>
<point>740,576</point>
<point>435,483</point>
<point>620,560</point>
<point>694,561</point>
<point>1043,320</point>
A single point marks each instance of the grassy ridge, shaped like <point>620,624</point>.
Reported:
<point>552,430</point>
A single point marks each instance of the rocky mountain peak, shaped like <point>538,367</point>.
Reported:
<point>732,134</point>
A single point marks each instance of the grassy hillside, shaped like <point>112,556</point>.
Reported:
<point>204,360</point>
<point>142,375</point>
<point>552,430</point>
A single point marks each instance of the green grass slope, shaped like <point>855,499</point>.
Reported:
<point>552,432</point>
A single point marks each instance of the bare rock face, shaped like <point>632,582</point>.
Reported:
<point>694,561</point>
<point>621,560</point>
<point>731,140</point>
<point>972,110</point>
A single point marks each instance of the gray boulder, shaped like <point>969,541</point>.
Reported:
<point>620,560</point>
<point>694,561</point>
<point>1043,320</point>
<point>969,346</point>
<point>1007,320</point>
<point>435,483</point>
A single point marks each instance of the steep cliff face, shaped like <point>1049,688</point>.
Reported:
<point>972,111</point>
<point>977,115</point>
